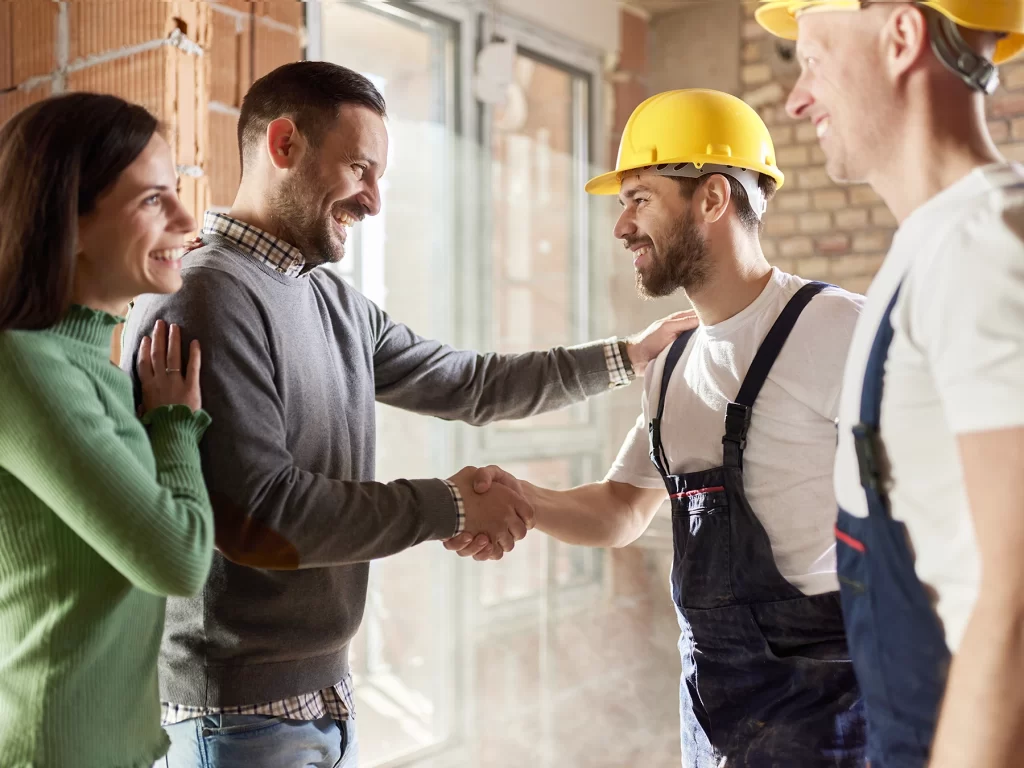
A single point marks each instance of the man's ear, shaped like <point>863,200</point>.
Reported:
<point>713,198</point>
<point>284,143</point>
<point>904,40</point>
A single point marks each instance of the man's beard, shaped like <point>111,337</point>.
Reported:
<point>297,205</point>
<point>684,262</point>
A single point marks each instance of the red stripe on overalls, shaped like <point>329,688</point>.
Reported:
<point>684,494</point>
<point>849,540</point>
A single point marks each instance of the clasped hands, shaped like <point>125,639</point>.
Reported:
<point>498,513</point>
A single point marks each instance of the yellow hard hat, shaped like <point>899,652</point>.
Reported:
<point>1006,16</point>
<point>693,133</point>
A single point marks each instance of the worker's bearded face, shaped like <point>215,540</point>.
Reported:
<point>672,255</point>
<point>658,227</point>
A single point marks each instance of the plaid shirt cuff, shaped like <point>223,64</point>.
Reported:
<point>620,370</point>
<point>460,508</point>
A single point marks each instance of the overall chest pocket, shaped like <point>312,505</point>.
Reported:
<point>701,529</point>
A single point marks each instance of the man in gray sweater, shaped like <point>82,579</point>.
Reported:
<point>293,360</point>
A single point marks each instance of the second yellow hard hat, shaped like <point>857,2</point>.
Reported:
<point>697,127</point>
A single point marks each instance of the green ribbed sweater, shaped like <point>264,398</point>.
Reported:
<point>98,523</point>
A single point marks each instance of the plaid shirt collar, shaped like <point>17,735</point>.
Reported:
<point>272,251</point>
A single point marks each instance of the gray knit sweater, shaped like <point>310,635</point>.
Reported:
<point>291,368</point>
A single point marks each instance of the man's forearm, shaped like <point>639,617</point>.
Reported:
<point>982,721</point>
<point>591,515</point>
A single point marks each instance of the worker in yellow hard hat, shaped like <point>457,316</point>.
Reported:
<point>930,466</point>
<point>737,431</point>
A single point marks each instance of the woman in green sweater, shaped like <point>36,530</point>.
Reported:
<point>102,515</point>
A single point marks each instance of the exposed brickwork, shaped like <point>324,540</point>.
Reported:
<point>99,38</point>
<point>175,84</point>
<point>814,226</point>
<point>629,78</point>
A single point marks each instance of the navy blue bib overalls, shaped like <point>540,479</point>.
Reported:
<point>767,680</point>
<point>896,641</point>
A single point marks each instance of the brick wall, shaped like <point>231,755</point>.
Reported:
<point>816,228</point>
<point>189,62</point>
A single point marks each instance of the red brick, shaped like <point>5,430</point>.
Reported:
<point>290,12</point>
<point>613,150</point>
<point>755,74</point>
<point>141,79</point>
<point>855,218</point>
<point>7,36</point>
<point>32,51</point>
<point>1014,152</point>
<point>753,31</point>
<point>999,130</point>
<point>855,284</point>
<point>792,157</point>
<point>1007,106</point>
<point>223,170</point>
<point>1012,76</point>
<point>633,42</point>
<point>274,48</point>
<point>628,95</point>
<point>796,246</point>
<point>792,201</point>
<point>815,222</point>
<point>783,135</point>
<point>12,102</point>
<point>870,242</point>
<point>849,265</point>
<point>189,118</point>
<point>873,262</point>
<point>830,199</point>
<point>806,133</point>
<point>229,59</point>
<point>780,224</point>
<point>815,268</point>
<point>751,53</point>
<point>862,194</point>
<point>833,244</point>
<point>813,178</point>
<point>882,217</point>
<point>244,6</point>
<point>770,93</point>
<point>98,26</point>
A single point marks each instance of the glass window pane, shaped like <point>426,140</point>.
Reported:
<point>403,655</point>
<point>535,219</point>
<point>538,563</point>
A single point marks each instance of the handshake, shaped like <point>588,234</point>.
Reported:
<point>498,513</point>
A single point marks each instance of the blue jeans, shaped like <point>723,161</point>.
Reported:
<point>261,741</point>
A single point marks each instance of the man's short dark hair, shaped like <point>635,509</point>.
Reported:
<point>744,211</point>
<point>310,93</point>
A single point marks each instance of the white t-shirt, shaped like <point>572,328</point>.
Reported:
<point>788,462</point>
<point>956,365</point>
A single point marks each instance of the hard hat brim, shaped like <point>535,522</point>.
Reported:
<point>610,183</point>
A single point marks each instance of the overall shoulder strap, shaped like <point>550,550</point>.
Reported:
<point>867,434</point>
<point>737,415</point>
<point>657,449</point>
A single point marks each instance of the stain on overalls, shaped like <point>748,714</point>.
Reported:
<point>767,680</point>
<point>896,641</point>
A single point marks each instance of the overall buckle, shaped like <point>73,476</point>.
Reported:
<point>868,445</point>
<point>737,422</point>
